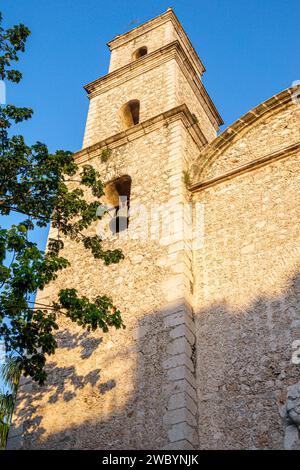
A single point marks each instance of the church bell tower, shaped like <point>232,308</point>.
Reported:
<point>133,389</point>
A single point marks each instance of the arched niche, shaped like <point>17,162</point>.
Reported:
<point>117,195</point>
<point>140,52</point>
<point>130,113</point>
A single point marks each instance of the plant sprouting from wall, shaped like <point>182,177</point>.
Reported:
<point>186,178</point>
<point>105,154</point>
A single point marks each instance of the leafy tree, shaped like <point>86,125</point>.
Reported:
<point>35,183</point>
<point>10,374</point>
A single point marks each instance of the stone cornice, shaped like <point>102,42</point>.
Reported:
<point>215,149</point>
<point>180,112</point>
<point>253,165</point>
<point>132,70</point>
<point>169,15</point>
<point>171,51</point>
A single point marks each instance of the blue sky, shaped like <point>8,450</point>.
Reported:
<point>250,50</point>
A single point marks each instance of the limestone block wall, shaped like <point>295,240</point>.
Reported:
<point>211,307</point>
<point>274,132</point>
<point>153,34</point>
<point>167,76</point>
<point>153,39</point>
<point>188,92</point>
<point>247,299</point>
<point>154,89</point>
<point>160,83</point>
<point>133,388</point>
<point>267,129</point>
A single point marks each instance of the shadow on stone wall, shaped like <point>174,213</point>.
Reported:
<point>136,425</point>
<point>244,367</point>
<point>243,363</point>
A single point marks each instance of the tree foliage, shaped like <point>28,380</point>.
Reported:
<point>10,375</point>
<point>36,183</point>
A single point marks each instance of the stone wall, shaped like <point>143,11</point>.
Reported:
<point>153,39</point>
<point>160,82</point>
<point>188,92</point>
<point>263,132</point>
<point>135,388</point>
<point>153,89</point>
<point>273,132</point>
<point>153,34</point>
<point>211,316</point>
<point>247,289</point>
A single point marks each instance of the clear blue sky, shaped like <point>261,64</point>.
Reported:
<point>250,49</point>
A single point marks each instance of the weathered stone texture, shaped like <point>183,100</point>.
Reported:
<point>151,89</point>
<point>102,387</point>
<point>212,307</point>
<point>153,39</point>
<point>78,408</point>
<point>154,34</point>
<point>247,276</point>
<point>188,93</point>
<point>159,88</point>
<point>274,132</point>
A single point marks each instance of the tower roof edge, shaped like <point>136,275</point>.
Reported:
<point>168,15</point>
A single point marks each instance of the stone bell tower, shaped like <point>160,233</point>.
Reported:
<point>155,66</point>
<point>133,388</point>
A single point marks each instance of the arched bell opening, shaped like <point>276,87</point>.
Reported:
<point>117,195</point>
<point>140,52</point>
<point>130,113</point>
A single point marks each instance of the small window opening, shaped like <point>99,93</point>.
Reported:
<point>140,52</point>
<point>117,194</point>
<point>130,113</point>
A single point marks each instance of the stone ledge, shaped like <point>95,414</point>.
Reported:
<point>169,15</point>
<point>178,113</point>
<point>225,139</point>
<point>14,443</point>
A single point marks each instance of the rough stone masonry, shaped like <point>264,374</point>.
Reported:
<point>206,359</point>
